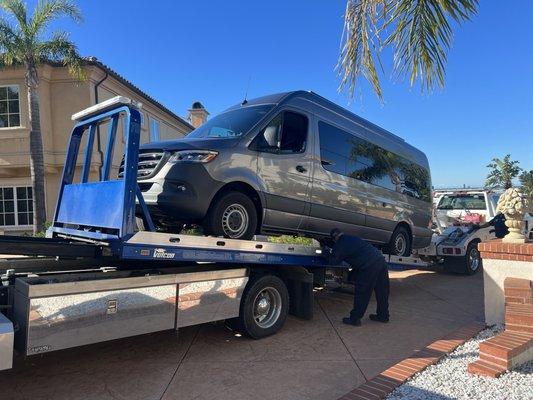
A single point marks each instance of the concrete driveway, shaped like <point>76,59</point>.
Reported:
<point>318,359</point>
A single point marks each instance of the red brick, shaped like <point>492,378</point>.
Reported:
<point>392,381</point>
<point>402,373</point>
<point>405,369</point>
<point>484,246</point>
<point>414,363</point>
<point>500,362</point>
<point>485,369</point>
<point>384,381</point>
<point>383,390</point>
<point>391,374</point>
<point>378,393</point>
<point>518,283</point>
<point>361,394</point>
<point>519,328</point>
<point>515,300</point>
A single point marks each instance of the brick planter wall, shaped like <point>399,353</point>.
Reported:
<point>500,261</point>
<point>514,346</point>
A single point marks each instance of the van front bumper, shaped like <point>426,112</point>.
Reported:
<point>184,199</point>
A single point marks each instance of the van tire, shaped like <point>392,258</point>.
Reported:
<point>232,215</point>
<point>276,290</point>
<point>400,242</point>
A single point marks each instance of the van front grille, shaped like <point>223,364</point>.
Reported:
<point>148,162</point>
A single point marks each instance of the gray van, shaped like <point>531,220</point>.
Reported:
<point>290,163</point>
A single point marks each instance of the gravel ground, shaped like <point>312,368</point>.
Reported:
<point>449,378</point>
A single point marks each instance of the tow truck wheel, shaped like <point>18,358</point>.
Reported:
<point>473,259</point>
<point>264,307</point>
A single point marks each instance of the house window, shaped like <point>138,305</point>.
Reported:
<point>9,106</point>
<point>154,130</point>
<point>16,206</point>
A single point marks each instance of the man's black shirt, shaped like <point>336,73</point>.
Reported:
<point>356,252</point>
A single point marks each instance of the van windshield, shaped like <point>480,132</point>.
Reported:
<point>462,202</point>
<point>231,124</point>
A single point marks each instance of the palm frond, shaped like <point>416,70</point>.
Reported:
<point>361,44</point>
<point>11,44</point>
<point>420,34</point>
<point>422,37</point>
<point>47,11</point>
<point>17,8</point>
<point>59,48</point>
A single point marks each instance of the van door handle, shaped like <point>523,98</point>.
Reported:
<point>301,169</point>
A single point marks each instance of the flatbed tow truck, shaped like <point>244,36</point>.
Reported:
<point>95,277</point>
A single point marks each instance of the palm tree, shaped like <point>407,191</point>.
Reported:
<point>23,43</point>
<point>502,172</point>
<point>419,33</point>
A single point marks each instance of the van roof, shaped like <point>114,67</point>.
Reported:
<point>280,98</point>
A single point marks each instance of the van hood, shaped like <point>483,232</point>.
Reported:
<point>193,143</point>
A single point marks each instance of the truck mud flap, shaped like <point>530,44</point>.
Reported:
<point>299,282</point>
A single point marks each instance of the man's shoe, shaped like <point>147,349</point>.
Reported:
<point>349,321</point>
<point>378,318</point>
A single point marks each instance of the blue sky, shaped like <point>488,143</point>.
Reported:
<point>208,51</point>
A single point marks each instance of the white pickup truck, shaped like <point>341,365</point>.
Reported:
<point>469,205</point>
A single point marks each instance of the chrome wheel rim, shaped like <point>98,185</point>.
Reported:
<point>474,259</point>
<point>267,307</point>
<point>235,221</point>
<point>400,245</point>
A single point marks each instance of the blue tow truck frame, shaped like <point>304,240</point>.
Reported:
<point>137,281</point>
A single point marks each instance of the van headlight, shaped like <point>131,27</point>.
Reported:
<point>198,156</point>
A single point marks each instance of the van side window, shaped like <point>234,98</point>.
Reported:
<point>293,133</point>
<point>346,154</point>
<point>285,134</point>
<point>268,139</point>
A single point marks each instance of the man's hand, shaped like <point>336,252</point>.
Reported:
<point>326,242</point>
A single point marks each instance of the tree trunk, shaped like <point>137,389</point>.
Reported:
<point>36,151</point>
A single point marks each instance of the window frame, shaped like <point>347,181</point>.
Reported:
<point>15,208</point>
<point>8,113</point>
<point>281,114</point>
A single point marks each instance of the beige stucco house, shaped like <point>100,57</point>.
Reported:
<point>61,95</point>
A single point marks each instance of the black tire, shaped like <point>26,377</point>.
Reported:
<point>232,215</point>
<point>400,242</point>
<point>274,316</point>
<point>472,262</point>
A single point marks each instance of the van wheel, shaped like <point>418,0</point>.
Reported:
<point>264,307</point>
<point>400,242</point>
<point>232,215</point>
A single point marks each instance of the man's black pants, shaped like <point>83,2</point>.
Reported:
<point>368,279</point>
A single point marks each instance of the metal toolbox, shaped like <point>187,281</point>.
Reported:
<point>63,311</point>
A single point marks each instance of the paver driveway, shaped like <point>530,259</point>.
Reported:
<point>318,359</point>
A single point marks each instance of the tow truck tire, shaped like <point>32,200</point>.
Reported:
<point>400,242</point>
<point>264,307</point>
<point>472,262</point>
<point>232,215</point>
